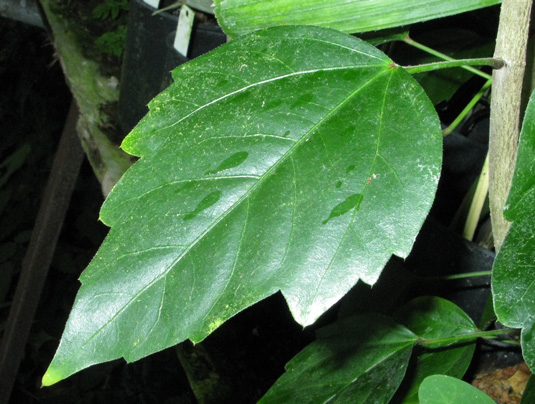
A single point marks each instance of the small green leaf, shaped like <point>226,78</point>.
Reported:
<point>13,162</point>
<point>362,359</point>
<point>528,396</point>
<point>250,168</point>
<point>513,278</point>
<point>439,389</point>
<point>430,318</point>
<point>238,17</point>
<point>434,318</point>
<point>359,359</point>
<point>451,362</point>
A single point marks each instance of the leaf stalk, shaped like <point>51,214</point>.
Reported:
<point>466,110</point>
<point>495,63</point>
<point>455,276</point>
<point>408,40</point>
<point>458,339</point>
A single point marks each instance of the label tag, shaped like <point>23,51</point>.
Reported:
<point>183,30</point>
<point>153,3</point>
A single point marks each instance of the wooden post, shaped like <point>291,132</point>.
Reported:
<point>506,113</point>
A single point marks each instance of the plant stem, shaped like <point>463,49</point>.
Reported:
<point>408,40</point>
<point>468,108</point>
<point>506,108</point>
<point>492,334</point>
<point>455,276</point>
<point>511,342</point>
<point>477,202</point>
<point>427,67</point>
<point>176,4</point>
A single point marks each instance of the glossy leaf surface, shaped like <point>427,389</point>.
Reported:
<point>360,359</point>
<point>439,389</point>
<point>238,17</point>
<point>513,278</point>
<point>295,159</point>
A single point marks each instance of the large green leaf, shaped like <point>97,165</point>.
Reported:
<point>360,359</point>
<point>513,277</point>
<point>238,17</point>
<point>294,159</point>
<point>439,389</point>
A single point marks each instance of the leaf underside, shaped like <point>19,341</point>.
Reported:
<point>295,159</point>
<point>513,277</point>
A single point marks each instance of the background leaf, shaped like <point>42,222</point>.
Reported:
<point>238,17</point>
<point>440,389</point>
<point>359,359</point>
<point>513,277</point>
<point>433,317</point>
<point>528,396</point>
<point>362,359</point>
<point>294,159</point>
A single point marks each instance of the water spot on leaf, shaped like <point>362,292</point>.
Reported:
<point>349,131</point>
<point>186,186</point>
<point>342,208</point>
<point>350,168</point>
<point>272,105</point>
<point>209,200</point>
<point>222,83</point>
<point>233,161</point>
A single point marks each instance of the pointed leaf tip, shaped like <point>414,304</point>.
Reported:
<point>51,377</point>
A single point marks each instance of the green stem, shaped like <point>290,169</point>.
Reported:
<point>455,276</point>
<point>408,40</point>
<point>468,108</point>
<point>478,201</point>
<point>427,67</point>
<point>511,342</point>
<point>171,7</point>
<point>492,334</point>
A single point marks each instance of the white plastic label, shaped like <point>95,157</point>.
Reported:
<point>183,30</point>
<point>153,3</point>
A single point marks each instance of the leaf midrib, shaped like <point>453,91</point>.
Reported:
<point>363,189</point>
